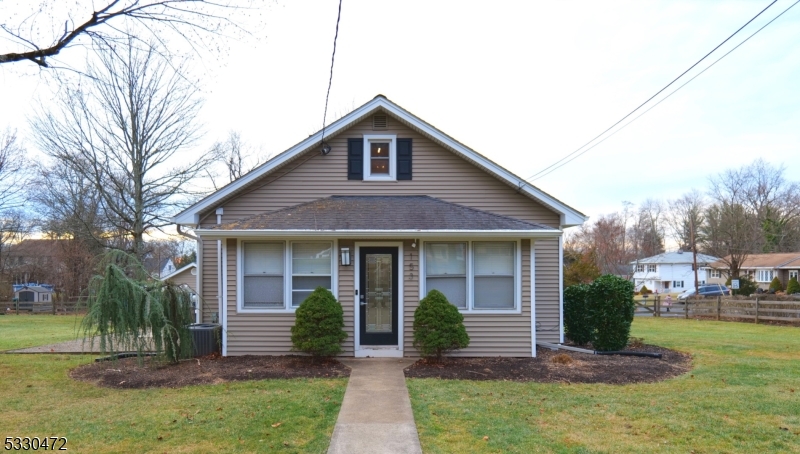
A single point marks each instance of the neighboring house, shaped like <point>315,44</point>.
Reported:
<point>392,209</point>
<point>670,271</point>
<point>32,260</point>
<point>186,277</point>
<point>761,268</point>
<point>167,268</point>
<point>33,294</point>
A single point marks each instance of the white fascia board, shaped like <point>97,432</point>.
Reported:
<point>177,272</point>
<point>569,217</point>
<point>421,234</point>
<point>191,215</point>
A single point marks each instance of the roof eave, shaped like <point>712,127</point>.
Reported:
<point>217,233</point>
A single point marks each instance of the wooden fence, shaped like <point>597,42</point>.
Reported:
<point>758,309</point>
<point>725,307</point>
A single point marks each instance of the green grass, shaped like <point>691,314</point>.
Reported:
<point>744,387</point>
<point>37,398</point>
<point>21,331</point>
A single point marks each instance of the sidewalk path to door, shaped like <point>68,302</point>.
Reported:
<point>376,412</point>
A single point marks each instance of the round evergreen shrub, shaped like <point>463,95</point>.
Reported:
<point>612,308</point>
<point>578,319</point>
<point>775,285</point>
<point>793,286</point>
<point>438,326</point>
<point>319,323</point>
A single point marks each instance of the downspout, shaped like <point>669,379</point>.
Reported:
<point>219,272</point>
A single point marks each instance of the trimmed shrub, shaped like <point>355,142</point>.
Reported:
<point>775,285</point>
<point>645,291</point>
<point>578,320</point>
<point>319,323</point>
<point>438,326</point>
<point>746,286</point>
<point>793,287</point>
<point>612,310</point>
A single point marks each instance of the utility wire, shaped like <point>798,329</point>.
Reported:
<point>651,98</point>
<point>670,94</point>
<point>330,79</point>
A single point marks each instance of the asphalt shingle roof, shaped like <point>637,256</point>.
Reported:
<point>380,213</point>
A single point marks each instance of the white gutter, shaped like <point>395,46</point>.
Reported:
<point>216,233</point>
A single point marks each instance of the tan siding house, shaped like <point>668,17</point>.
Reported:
<point>381,210</point>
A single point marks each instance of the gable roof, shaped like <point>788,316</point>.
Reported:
<point>179,271</point>
<point>677,257</point>
<point>386,213</point>
<point>568,215</point>
<point>776,260</point>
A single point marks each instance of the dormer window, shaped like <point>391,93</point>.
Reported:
<point>380,160</point>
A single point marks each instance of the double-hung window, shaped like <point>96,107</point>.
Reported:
<point>716,273</point>
<point>263,280</point>
<point>311,268</point>
<point>380,157</point>
<point>651,268</point>
<point>475,276</point>
<point>793,274</point>
<point>279,276</point>
<point>640,268</point>
<point>446,271</point>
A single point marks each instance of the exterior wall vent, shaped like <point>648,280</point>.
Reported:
<point>379,121</point>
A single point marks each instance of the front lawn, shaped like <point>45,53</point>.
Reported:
<point>743,395</point>
<point>25,330</point>
<point>37,398</point>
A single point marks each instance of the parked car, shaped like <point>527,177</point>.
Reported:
<point>706,290</point>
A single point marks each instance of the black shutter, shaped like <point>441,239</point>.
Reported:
<point>355,159</point>
<point>403,159</point>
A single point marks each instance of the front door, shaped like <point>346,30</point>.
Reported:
<point>378,295</point>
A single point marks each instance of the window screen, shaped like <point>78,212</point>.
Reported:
<point>493,264</point>
<point>263,275</point>
<point>311,268</point>
<point>446,271</point>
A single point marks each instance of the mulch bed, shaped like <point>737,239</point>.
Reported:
<point>560,366</point>
<point>127,373</point>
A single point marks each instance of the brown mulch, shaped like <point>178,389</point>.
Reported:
<point>560,366</point>
<point>127,373</point>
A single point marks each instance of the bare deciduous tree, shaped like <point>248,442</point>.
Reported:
<point>686,214</point>
<point>36,33</point>
<point>239,157</point>
<point>124,129</point>
<point>647,232</point>
<point>12,170</point>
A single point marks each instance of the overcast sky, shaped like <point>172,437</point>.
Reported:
<point>523,83</point>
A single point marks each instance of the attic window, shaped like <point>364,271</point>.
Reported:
<point>379,122</point>
<point>380,157</point>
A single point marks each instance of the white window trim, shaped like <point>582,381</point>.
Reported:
<point>287,273</point>
<point>793,273</point>
<point>517,309</point>
<point>761,272</point>
<point>392,138</point>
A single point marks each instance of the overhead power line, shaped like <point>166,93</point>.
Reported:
<point>670,94</point>
<point>330,80</point>
<point>566,158</point>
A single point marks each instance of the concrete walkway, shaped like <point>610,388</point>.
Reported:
<point>376,412</point>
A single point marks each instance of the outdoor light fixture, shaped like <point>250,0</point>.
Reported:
<point>325,148</point>
<point>345,256</point>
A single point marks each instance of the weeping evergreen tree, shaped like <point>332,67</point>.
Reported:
<point>126,307</point>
